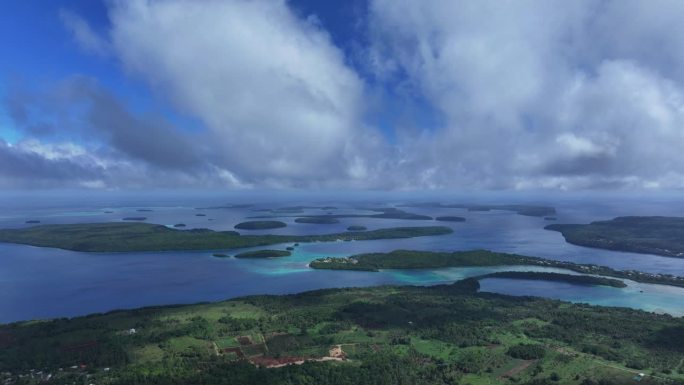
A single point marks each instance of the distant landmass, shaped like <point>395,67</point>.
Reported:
<point>650,235</point>
<point>527,210</point>
<point>119,237</point>
<point>260,225</point>
<point>383,213</point>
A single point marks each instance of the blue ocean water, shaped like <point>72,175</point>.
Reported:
<point>45,283</point>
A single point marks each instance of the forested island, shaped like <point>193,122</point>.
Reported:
<point>383,213</point>
<point>120,237</point>
<point>555,277</point>
<point>527,210</point>
<point>411,259</point>
<point>263,254</point>
<point>649,235</point>
<point>438,335</point>
<point>260,225</point>
<point>320,220</point>
<point>449,218</point>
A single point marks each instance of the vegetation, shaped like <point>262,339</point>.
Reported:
<point>260,225</point>
<point>408,259</point>
<point>557,277</point>
<point>527,210</point>
<point>134,219</point>
<point>119,237</point>
<point>650,235</point>
<point>356,228</point>
<point>450,219</point>
<point>383,213</point>
<point>221,255</point>
<point>179,225</point>
<point>438,335</point>
<point>32,221</point>
<point>320,220</point>
<point>264,254</point>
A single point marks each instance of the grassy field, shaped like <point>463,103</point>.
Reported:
<point>385,335</point>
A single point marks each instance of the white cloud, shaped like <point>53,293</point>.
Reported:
<point>272,88</point>
<point>84,35</point>
<point>539,94</point>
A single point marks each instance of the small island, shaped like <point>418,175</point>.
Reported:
<point>588,280</point>
<point>264,254</point>
<point>177,225</point>
<point>356,228</point>
<point>32,221</point>
<point>450,219</point>
<point>134,219</point>
<point>144,210</point>
<point>220,255</point>
<point>382,213</point>
<point>649,235</point>
<point>321,220</point>
<point>200,215</point>
<point>260,225</point>
<point>526,210</point>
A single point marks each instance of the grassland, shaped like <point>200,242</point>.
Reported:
<point>650,235</point>
<point>122,237</point>
<point>439,335</point>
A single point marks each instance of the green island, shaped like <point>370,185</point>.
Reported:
<point>383,213</point>
<point>134,219</point>
<point>527,210</point>
<point>264,254</point>
<point>178,225</point>
<point>410,259</point>
<point>260,225</point>
<point>650,235</point>
<point>450,219</point>
<point>121,237</point>
<point>357,228</point>
<point>321,220</point>
<point>220,255</point>
<point>556,277</point>
<point>437,335</point>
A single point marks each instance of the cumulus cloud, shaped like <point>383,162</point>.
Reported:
<point>539,94</point>
<point>271,87</point>
<point>529,93</point>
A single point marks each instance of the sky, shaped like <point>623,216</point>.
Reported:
<point>356,95</point>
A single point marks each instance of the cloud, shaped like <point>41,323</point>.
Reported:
<point>538,94</point>
<point>272,88</point>
<point>84,35</point>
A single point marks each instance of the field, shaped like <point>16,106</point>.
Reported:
<point>445,334</point>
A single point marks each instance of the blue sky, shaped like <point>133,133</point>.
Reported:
<point>362,94</point>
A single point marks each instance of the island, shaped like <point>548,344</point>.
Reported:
<point>134,219</point>
<point>437,335</point>
<point>450,219</point>
<point>178,225</point>
<point>144,210</point>
<point>220,255</point>
<point>260,225</point>
<point>356,228</point>
<point>227,207</point>
<point>588,280</point>
<point>649,235</point>
<point>411,259</point>
<point>120,237</point>
<point>264,254</point>
<point>383,213</point>
<point>526,210</point>
<point>322,220</point>
<point>32,221</point>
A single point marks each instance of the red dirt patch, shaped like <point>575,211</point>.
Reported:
<point>523,365</point>
<point>270,362</point>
